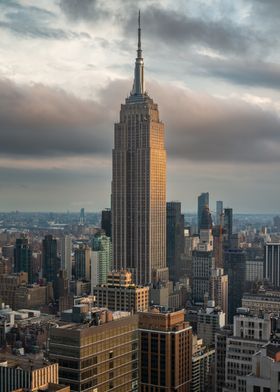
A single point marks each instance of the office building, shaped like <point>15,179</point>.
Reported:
<point>219,289</point>
<point>228,227</point>
<point>203,361</point>
<point>203,200</point>
<point>23,258</point>
<point>254,270</point>
<point>174,239</point>
<point>106,222</point>
<point>139,185</point>
<point>121,294</point>
<point>250,333</point>
<point>26,373</point>
<point>50,261</point>
<point>101,354</point>
<point>220,357</point>
<point>66,255</point>
<point>219,212</point>
<point>101,260</point>
<point>82,219</point>
<point>209,321</point>
<point>82,257</point>
<point>166,351</point>
<point>9,285</point>
<point>271,267</point>
<point>235,268</point>
<point>265,369</point>
<point>262,302</point>
<point>202,259</point>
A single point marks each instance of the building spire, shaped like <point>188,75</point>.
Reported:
<point>138,85</point>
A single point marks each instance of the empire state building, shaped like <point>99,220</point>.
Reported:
<point>139,185</point>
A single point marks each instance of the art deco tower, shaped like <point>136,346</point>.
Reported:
<point>139,185</point>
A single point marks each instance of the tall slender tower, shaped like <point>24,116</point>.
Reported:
<point>139,185</point>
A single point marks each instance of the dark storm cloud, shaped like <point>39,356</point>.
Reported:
<point>39,122</point>
<point>249,73</point>
<point>32,22</point>
<point>174,28</point>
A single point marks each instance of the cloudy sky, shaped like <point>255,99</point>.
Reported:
<point>213,66</point>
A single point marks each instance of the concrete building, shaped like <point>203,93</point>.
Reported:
<point>139,185</point>
<point>209,321</point>
<point>202,259</point>
<point>219,289</point>
<point>220,357</point>
<point>100,355</point>
<point>29,373</point>
<point>254,270</point>
<point>250,333</point>
<point>121,294</point>
<point>9,283</point>
<point>166,351</point>
<point>265,370</point>
<point>101,260</point>
<point>262,302</point>
<point>271,269</point>
<point>203,361</point>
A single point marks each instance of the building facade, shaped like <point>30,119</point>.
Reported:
<point>139,185</point>
<point>166,352</point>
<point>271,268</point>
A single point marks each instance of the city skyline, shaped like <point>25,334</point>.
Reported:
<point>61,81</point>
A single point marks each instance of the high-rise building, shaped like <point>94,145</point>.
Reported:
<point>174,239</point>
<point>66,255</point>
<point>82,256</point>
<point>139,185</point>
<point>203,361</point>
<point>101,259</point>
<point>219,289</point>
<point>203,200</point>
<point>82,220</point>
<point>262,302</point>
<point>228,222</point>
<point>97,356</point>
<point>219,211</point>
<point>166,351</point>
<point>271,269</point>
<point>50,262</point>
<point>203,259</point>
<point>220,357</point>
<point>106,222</point>
<point>209,321</point>
<point>23,258</point>
<point>249,335</point>
<point>235,268</point>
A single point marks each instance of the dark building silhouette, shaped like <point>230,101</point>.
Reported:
<point>174,239</point>
<point>23,258</point>
<point>203,200</point>
<point>106,222</point>
<point>228,218</point>
<point>235,268</point>
<point>50,261</point>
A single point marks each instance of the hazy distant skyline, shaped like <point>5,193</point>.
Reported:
<point>66,66</point>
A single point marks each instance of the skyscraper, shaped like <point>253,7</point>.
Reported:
<point>271,269</point>
<point>50,260</point>
<point>202,201</point>
<point>139,185</point>
<point>219,211</point>
<point>174,239</point>
<point>106,222</point>
<point>23,258</point>
<point>228,227</point>
<point>66,255</point>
